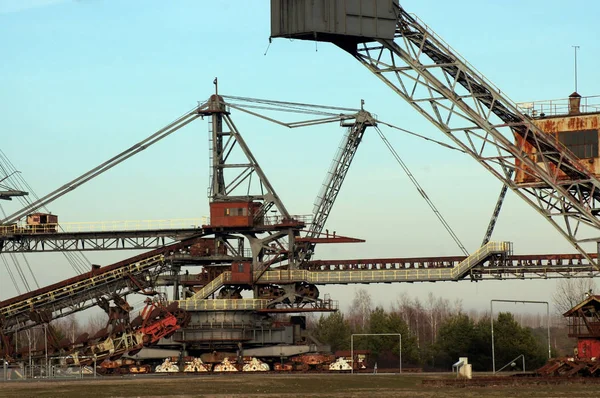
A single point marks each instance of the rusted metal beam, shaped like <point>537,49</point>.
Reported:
<point>514,261</point>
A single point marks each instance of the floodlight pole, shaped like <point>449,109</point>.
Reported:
<point>516,302</point>
<point>375,334</point>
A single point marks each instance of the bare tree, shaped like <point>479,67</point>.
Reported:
<point>408,310</point>
<point>67,327</point>
<point>360,310</point>
<point>457,306</point>
<point>570,292</point>
<point>96,322</point>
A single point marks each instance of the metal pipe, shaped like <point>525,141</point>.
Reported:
<point>46,345</point>
<point>575,48</point>
<point>30,361</point>
<point>492,327</point>
<point>512,361</point>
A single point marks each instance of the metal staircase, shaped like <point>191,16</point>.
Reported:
<point>212,286</point>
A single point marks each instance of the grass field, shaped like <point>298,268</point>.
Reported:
<point>270,385</point>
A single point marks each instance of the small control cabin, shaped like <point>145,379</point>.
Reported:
<point>584,325</point>
<point>574,122</point>
<point>235,214</point>
<point>41,219</point>
<point>241,272</point>
<point>42,222</point>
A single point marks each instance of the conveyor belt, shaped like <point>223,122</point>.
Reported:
<point>82,291</point>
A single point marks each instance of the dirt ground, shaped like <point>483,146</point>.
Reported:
<point>276,385</point>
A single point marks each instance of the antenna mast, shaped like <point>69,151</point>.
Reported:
<point>575,48</point>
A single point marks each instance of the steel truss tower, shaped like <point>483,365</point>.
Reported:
<point>225,138</point>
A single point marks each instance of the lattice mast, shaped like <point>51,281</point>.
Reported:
<point>335,176</point>
<point>226,139</point>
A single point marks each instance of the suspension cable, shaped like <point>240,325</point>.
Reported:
<point>422,136</point>
<point>115,160</point>
<point>30,270</point>
<point>421,191</point>
<point>325,109</point>
<point>17,266</point>
<point>20,272</point>
<point>78,261</point>
<point>10,273</point>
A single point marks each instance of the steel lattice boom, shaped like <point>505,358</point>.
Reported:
<point>83,291</point>
<point>336,175</point>
<point>441,85</point>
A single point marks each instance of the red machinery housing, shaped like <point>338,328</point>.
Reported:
<point>584,324</point>
<point>208,247</point>
<point>241,272</point>
<point>234,214</point>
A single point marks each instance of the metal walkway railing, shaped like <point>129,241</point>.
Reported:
<point>383,276</point>
<point>366,276</point>
<point>212,286</point>
<point>106,226</point>
<point>223,305</point>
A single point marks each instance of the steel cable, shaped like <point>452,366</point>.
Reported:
<point>421,191</point>
<point>10,273</point>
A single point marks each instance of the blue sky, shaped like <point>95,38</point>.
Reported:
<point>82,80</point>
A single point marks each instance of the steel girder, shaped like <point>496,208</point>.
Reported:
<point>88,241</point>
<point>490,229</point>
<point>277,245</point>
<point>436,81</point>
<point>533,272</point>
<point>8,194</point>
<point>541,266</point>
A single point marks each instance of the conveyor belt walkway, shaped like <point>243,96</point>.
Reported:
<point>455,273</point>
<point>82,291</point>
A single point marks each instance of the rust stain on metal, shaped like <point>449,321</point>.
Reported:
<point>555,126</point>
